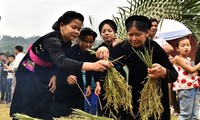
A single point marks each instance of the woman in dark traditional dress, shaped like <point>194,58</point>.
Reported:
<point>32,96</point>
<point>68,92</point>
<point>137,37</point>
<point>108,31</point>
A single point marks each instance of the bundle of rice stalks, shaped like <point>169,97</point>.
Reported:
<point>78,114</point>
<point>150,100</point>
<point>117,92</point>
<point>24,117</point>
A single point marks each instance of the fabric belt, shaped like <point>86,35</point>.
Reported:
<point>37,60</point>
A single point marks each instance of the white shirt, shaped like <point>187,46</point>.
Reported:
<point>11,74</point>
<point>161,41</point>
<point>17,61</point>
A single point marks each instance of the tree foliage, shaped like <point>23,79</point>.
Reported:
<point>8,43</point>
<point>184,11</point>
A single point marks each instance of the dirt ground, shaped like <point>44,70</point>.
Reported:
<point>4,112</point>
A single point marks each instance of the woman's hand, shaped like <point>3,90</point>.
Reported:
<point>115,41</point>
<point>102,53</point>
<point>102,65</point>
<point>157,71</point>
<point>97,90</point>
<point>52,84</point>
<point>88,91</point>
<point>71,79</point>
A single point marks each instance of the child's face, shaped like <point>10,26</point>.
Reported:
<point>184,47</point>
<point>86,43</point>
<point>135,37</point>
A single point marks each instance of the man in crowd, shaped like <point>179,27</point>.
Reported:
<point>163,43</point>
<point>3,77</point>
<point>18,50</point>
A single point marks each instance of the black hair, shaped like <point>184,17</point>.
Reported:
<point>19,48</point>
<point>180,39</point>
<point>142,23</point>
<point>66,18</point>
<point>111,23</point>
<point>3,54</point>
<point>12,56</point>
<point>153,20</point>
<point>87,31</point>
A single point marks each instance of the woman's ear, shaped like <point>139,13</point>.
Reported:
<point>62,25</point>
<point>147,35</point>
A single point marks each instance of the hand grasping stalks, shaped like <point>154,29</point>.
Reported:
<point>150,100</point>
<point>117,91</point>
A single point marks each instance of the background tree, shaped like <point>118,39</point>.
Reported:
<point>184,11</point>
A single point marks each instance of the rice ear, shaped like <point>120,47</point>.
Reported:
<point>150,100</point>
<point>118,93</point>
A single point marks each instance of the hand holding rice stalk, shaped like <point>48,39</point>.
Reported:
<point>150,100</point>
<point>118,92</point>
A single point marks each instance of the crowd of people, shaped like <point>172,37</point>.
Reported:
<point>55,76</point>
<point>8,67</point>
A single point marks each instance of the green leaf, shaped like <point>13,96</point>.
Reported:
<point>185,11</point>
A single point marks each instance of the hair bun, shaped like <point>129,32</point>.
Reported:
<point>88,31</point>
<point>109,22</point>
<point>138,18</point>
<point>67,15</point>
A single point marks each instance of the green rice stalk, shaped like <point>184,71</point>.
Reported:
<point>71,117</point>
<point>91,51</point>
<point>117,93</point>
<point>150,100</point>
<point>112,60</point>
<point>24,117</point>
<point>78,114</point>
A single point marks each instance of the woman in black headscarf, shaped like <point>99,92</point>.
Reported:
<point>108,31</point>
<point>68,92</point>
<point>34,75</point>
<point>137,28</point>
